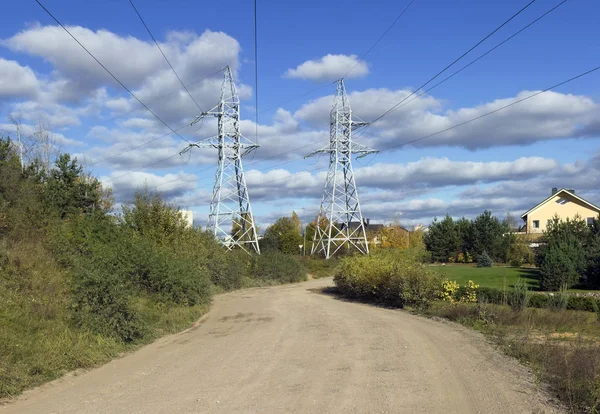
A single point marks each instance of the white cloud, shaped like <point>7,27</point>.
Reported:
<point>549,116</point>
<point>438,172</point>
<point>17,80</point>
<point>330,67</point>
<point>170,185</point>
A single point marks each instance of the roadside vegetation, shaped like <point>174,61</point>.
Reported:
<point>82,281</point>
<point>556,333</point>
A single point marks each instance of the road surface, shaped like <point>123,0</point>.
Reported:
<point>293,349</point>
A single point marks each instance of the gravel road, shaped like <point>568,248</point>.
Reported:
<point>293,349</point>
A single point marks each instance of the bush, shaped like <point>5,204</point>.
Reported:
<point>391,277</point>
<point>490,295</point>
<point>538,300</point>
<point>519,295</point>
<point>484,260</point>
<point>558,301</point>
<point>583,303</point>
<point>559,267</point>
<point>278,267</point>
<point>448,291</point>
<point>101,303</point>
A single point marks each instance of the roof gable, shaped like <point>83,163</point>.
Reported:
<point>557,194</point>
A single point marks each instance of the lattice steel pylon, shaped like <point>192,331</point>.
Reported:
<point>340,212</point>
<point>230,218</point>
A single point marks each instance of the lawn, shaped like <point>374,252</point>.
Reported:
<point>493,277</point>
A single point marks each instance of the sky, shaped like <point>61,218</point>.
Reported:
<point>505,162</point>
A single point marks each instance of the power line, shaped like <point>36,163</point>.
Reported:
<point>108,71</point>
<point>380,37</point>
<point>353,67</point>
<point>489,51</point>
<point>138,146</point>
<point>495,110</point>
<point>455,60</point>
<point>165,95</point>
<point>163,53</point>
<point>466,122</point>
<point>404,102</point>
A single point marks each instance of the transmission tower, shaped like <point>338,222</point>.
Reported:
<point>230,218</point>
<point>340,213</point>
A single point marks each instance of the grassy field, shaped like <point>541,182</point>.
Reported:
<point>493,277</point>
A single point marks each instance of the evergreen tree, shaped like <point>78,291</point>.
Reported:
<point>442,239</point>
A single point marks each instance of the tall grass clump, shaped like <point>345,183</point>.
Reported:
<point>389,277</point>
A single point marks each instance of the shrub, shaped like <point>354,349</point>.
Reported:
<point>468,293</point>
<point>559,267</point>
<point>538,300</point>
<point>101,303</point>
<point>490,295</point>
<point>583,303</point>
<point>519,295</point>
<point>278,267</point>
<point>448,291</point>
<point>388,277</point>
<point>558,301</point>
<point>484,260</point>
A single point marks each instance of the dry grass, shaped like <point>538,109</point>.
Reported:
<point>563,348</point>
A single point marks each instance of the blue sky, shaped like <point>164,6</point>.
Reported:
<point>505,163</point>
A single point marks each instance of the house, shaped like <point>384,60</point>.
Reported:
<point>188,217</point>
<point>562,203</point>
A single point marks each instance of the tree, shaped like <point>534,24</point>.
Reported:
<point>154,218</point>
<point>394,236</point>
<point>68,191</point>
<point>466,235</point>
<point>484,260</point>
<point>488,236</point>
<point>442,239</point>
<point>592,252</point>
<point>415,239</point>
<point>562,258</point>
<point>283,235</point>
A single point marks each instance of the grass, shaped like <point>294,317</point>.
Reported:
<point>497,277</point>
<point>493,277</point>
<point>562,348</point>
<point>318,267</point>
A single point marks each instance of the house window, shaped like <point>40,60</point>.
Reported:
<point>536,224</point>
<point>548,223</point>
<point>590,221</point>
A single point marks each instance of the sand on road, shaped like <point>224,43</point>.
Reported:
<point>294,349</point>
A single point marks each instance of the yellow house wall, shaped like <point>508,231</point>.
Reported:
<point>552,207</point>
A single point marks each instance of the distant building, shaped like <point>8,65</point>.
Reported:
<point>188,216</point>
<point>562,203</point>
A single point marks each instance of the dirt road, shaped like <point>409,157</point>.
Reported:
<point>294,349</point>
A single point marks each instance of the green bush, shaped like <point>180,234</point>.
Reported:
<point>518,296</point>
<point>490,295</point>
<point>538,300</point>
<point>101,303</point>
<point>275,266</point>
<point>229,269</point>
<point>559,267</point>
<point>558,301</point>
<point>583,303</point>
<point>389,277</point>
<point>484,260</point>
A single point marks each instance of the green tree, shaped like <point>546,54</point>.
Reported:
<point>466,235</point>
<point>442,239</point>
<point>562,258</point>
<point>488,236</point>
<point>69,191</point>
<point>284,236</point>
<point>152,217</point>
